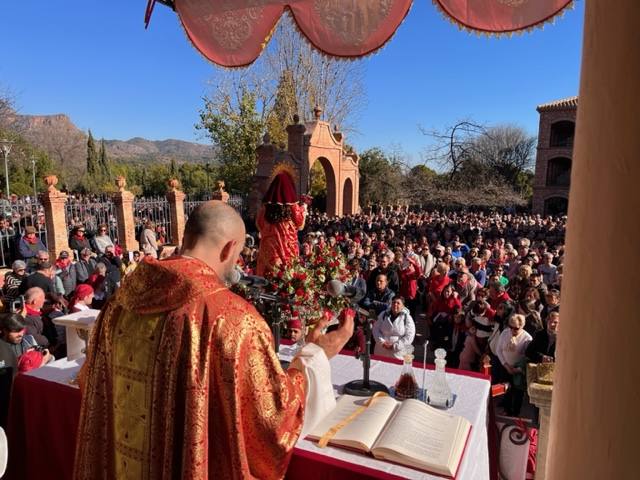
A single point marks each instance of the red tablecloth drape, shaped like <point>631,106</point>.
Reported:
<point>43,421</point>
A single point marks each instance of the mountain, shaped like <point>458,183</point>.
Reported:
<point>66,143</point>
<point>159,150</point>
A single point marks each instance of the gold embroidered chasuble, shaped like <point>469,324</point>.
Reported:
<point>181,382</point>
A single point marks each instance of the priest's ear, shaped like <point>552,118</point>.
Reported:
<point>227,252</point>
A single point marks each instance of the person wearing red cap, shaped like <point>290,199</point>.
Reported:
<point>278,222</point>
<point>295,329</point>
<point>82,298</point>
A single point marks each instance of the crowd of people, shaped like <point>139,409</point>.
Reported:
<point>484,286</point>
<point>88,212</point>
<point>37,289</point>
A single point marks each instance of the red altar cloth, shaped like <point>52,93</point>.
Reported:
<point>43,421</point>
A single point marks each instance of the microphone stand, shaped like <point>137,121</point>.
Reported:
<point>365,387</point>
<point>273,304</point>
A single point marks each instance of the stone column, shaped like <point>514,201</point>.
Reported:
<point>176,210</point>
<point>219,193</point>
<point>540,389</point>
<point>54,201</point>
<point>595,418</point>
<point>123,200</point>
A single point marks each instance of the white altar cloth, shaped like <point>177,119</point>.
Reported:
<point>472,396</point>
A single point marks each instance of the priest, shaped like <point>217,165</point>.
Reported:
<point>278,221</point>
<point>181,379</point>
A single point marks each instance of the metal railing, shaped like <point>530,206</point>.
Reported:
<point>156,210</point>
<point>91,212</point>
<point>15,216</point>
<point>240,202</point>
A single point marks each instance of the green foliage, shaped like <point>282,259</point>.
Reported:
<point>105,168</point>
<point>318,181</point>
<point>285,106</point>
<point>380,178</point>
<point>235,128</point>
<point>92,156</point>
<point>21,166</point>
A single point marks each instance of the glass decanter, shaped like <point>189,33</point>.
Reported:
<point>439,395</point>
<point>407,386</point>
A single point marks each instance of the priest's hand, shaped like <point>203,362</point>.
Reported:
<point>334,341</point>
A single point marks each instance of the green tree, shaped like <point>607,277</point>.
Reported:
<point>105,169</point>
<point>173,170</point>
<point>284,108</point>
<point>92,156</point>
<point>380,178</point>
<point>25,162</point>
<point>235,127</point>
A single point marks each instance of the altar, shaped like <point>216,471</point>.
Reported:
<point>45,409</point>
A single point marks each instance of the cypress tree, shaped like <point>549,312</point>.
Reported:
<point>92,157</point>
<point>173,169</point>
<point>104,163</point>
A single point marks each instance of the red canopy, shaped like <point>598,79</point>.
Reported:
<point>232,33</point>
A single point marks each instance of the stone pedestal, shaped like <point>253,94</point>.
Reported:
<point>176,210</point>
<point>123,201</point>
<point>54,201</point>
<point>540,389</point>
<point>219,193</point>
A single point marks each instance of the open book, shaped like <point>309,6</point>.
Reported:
<point>410,433</point>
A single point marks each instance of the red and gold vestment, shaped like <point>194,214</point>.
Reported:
<point>181,382</point>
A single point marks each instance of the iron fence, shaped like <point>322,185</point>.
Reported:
<point>91,212</point>
<point>15,216</point>
<point>190,206</point>
<point>155,210</point>
<point>240,202</point>
<point>236,200</point>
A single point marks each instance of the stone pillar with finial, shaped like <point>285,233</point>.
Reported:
<point>176,211</point>
<point>54,201</point>
<point>123,200</point>
<point>219,193</point>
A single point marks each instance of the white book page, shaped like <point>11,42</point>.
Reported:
<point>434,438</point>
<point>365,428</point>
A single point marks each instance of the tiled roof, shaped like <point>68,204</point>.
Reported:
<point>562,104</point>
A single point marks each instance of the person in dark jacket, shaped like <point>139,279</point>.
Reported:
<point>78,241</point>
<point>388,270</point>
<point>379,298</point>
<point>85,266</point>
<point>33,302</point>
<point>29,246</point>
<point>542,348</point>
<point>113,264</point>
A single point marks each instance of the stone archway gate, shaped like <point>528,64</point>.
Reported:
<point>308,143</point>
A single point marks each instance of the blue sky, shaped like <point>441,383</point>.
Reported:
<point>94,61</point>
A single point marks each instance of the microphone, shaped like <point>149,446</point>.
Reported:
<point>336,288</point>
<point>237,277</point>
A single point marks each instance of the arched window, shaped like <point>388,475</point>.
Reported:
<point>562,134</point>
<point>559,172</point>
<point>556,206</point>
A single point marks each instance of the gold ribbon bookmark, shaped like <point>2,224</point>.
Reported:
<point>326,438</point>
